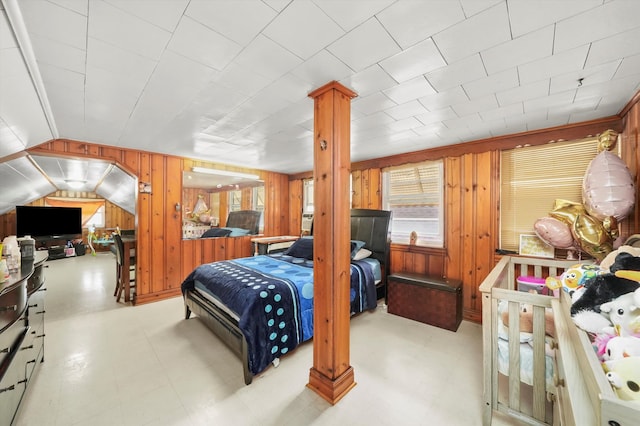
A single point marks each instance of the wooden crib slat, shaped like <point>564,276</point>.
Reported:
<point>539,363</point>
<point>514,355</point>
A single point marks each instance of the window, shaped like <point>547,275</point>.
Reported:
<point>307,196</point>
<point>414,194</point>
<point>235,200</point>
<point>97,219</point>
<point>258,204</point>
<point>533,178</point>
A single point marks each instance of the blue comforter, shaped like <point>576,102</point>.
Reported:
<point>273,300</point>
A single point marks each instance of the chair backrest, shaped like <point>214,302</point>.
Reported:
<point>119,249</point>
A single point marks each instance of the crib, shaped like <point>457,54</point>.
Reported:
<point>578,392</point>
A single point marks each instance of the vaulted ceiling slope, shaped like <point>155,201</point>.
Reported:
<point>227,80</point>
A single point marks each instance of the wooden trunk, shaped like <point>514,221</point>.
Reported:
<point>431,300</point>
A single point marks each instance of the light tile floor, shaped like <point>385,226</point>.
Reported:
<point>108,363</point>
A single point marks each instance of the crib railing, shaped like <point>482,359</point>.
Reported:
<point>500,284</point>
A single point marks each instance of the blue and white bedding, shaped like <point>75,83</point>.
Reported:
<point>271,296</point>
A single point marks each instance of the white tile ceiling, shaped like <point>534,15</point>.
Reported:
<point>227,80</point>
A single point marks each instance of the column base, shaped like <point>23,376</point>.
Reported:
<point>331,390</point>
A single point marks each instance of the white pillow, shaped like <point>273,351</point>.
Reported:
<point>363,253</point>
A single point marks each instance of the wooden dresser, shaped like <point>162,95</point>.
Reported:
<point>21,333</point>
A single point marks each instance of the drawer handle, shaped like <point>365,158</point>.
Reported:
<point>26,347</point>
<point>554,345</point>
<point>10,388</point>
<point>39,312</point>
<point>39,335</point>
<point>9,308</point>
<point>558,382</point>
<point>31,362</point>
<point>43,289</point>
<point>4,351</point>
<point>22,381</point>
<point>33,306</point>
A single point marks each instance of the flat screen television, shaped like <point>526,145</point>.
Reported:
<point>48,222</point>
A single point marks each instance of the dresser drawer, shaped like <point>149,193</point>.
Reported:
<point>12,306</point>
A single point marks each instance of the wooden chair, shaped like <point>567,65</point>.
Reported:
<point>124,281</point>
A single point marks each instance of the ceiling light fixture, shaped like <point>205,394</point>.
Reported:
<point>75,183</point>
<point>225,173</point>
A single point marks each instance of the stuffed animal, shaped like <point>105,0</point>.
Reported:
<point>625,378</point>
<point>573,278</point>
<point>620,347</point>
<point>526,320</point>
<point>610,259</point>
<point>586,306</point>
<point>624,313</point>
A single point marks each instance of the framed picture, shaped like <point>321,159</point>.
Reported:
<point>532,245</point>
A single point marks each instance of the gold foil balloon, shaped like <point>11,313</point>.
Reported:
<point>567,211</point>
<point>592,237</point>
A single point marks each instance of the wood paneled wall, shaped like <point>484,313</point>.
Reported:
<point>472,200</point>
<point>163,258</point>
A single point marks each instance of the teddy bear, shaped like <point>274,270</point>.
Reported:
<point>526,320</point>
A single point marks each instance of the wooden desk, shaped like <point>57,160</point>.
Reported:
<point>264,244</point>
<point>128,243</point>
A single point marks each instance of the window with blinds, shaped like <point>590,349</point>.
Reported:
<point>414,193</point>
<point>533,178</point>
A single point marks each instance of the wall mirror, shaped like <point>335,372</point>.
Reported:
<point>209,195</point>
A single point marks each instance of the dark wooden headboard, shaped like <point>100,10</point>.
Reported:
<point>245,219</point>
<point>372,227</point>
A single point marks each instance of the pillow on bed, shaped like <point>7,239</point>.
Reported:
<point>237,232</point>
<point>216,232</point>
<point>356,245</point>
<point>302,248</point>
<point>363,253</point>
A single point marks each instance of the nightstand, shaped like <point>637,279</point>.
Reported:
<point>265,245</point>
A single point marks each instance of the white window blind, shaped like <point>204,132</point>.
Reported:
<point>533,178</point>
<point>414,193</point>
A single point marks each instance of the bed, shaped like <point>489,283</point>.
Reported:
<point>578,392</point>
<point>239,223</point>
<point>261,307</point>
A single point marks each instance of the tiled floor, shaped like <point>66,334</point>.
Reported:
<point>108,363</point>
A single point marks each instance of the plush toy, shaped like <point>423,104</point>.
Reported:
<point>573,278</point>
<point>526,320</point>
<point>610,259</point>
<point>624,313</point>
<point>586,305</point>
<point>625,378</point>
<point>620,347</point>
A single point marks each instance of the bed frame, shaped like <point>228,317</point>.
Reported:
<point>370,226</point>
<point>582,394</point>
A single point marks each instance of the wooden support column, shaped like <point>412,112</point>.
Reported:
<point>331,375</point>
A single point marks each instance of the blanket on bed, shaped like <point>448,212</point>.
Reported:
<point>273,300</point>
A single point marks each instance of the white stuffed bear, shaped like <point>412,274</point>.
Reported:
<point>624,313</point>
<point>620,347</point>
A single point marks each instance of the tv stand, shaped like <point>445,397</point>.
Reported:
<point>55,245</point>
<point>56,252</point>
